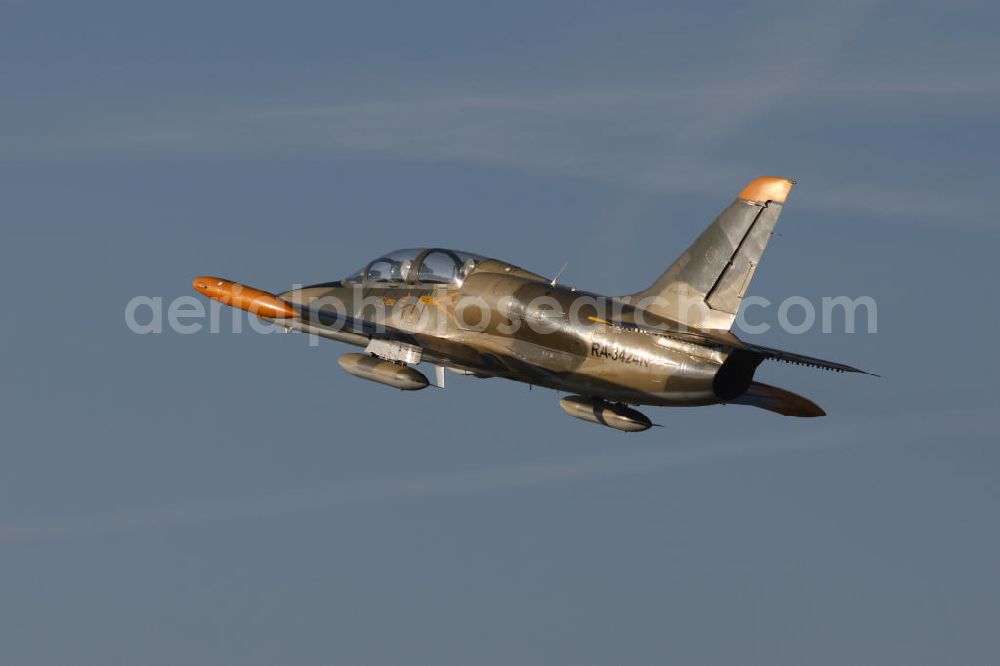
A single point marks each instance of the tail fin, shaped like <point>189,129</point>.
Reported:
<point>704,287</point>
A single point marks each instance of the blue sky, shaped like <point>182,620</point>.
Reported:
<point>237,499</point>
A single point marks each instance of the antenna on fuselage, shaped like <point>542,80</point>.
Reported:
<point>565,264</point>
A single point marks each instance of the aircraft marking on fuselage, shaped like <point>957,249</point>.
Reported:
<point>616,353</point>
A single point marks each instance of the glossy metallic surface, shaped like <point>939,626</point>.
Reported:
<point>668,345</point>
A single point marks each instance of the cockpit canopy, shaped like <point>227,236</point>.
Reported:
<point>435,266</point>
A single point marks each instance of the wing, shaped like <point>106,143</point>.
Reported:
<point>327,322</point>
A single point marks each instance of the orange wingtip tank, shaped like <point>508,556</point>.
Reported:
<point>255,301</point>
<point>768,188</point>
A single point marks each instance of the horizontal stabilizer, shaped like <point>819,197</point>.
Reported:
<point>778,400</point>
<point>799,359</point>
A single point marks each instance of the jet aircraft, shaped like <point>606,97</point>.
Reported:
<point>668,345</point>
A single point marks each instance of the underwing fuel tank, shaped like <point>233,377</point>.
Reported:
<point>605,413</point>
<point>375,369</point>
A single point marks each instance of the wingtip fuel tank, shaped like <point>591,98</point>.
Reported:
<point>258,302</point>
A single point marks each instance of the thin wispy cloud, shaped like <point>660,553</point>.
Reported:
<point>647,141</point>
<point>657,138</point>
<point>913,428</point>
